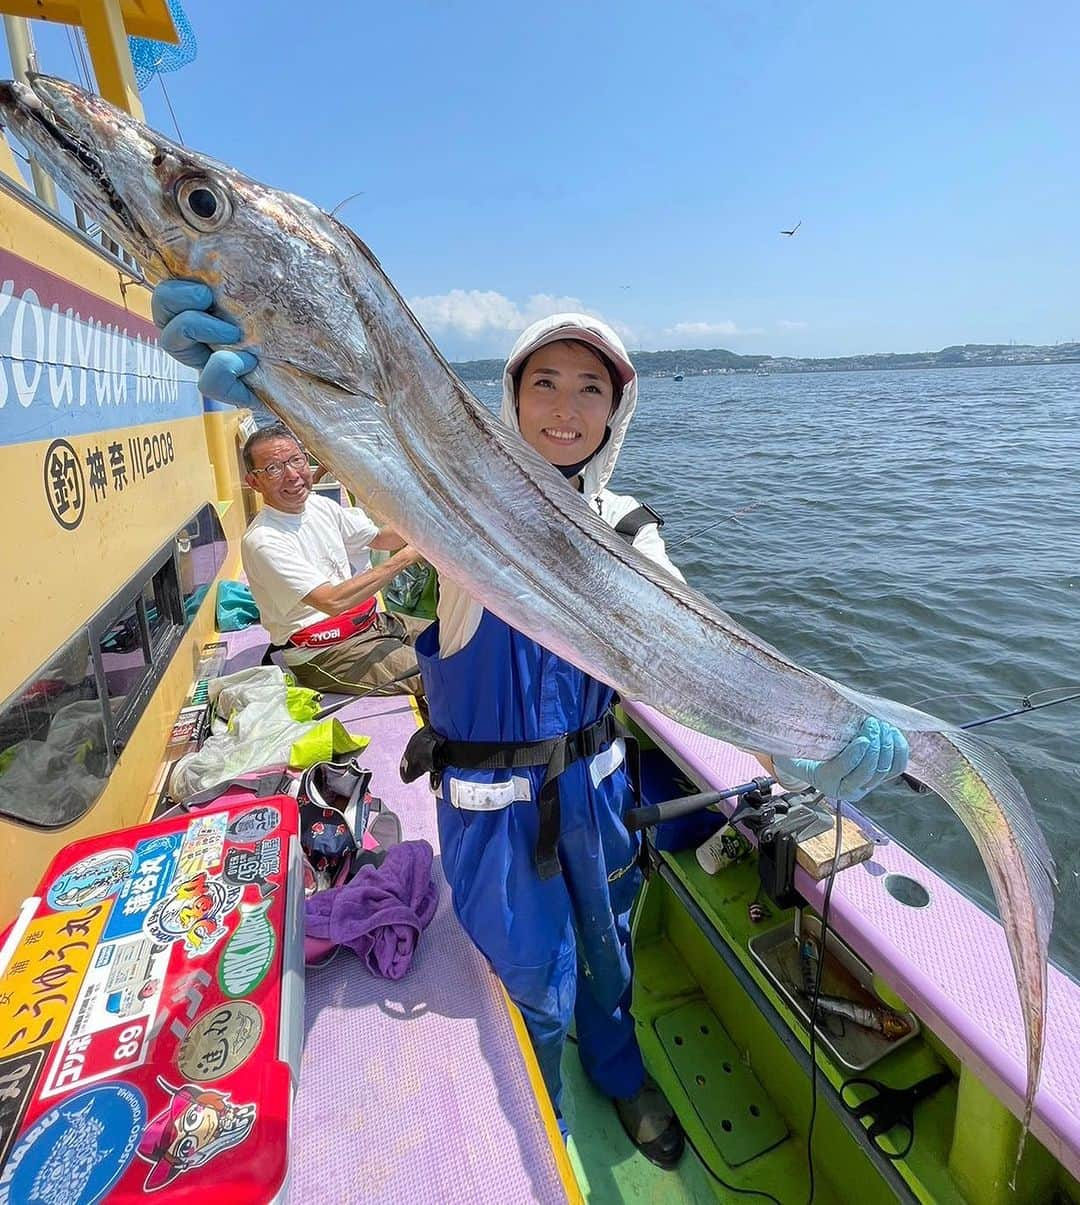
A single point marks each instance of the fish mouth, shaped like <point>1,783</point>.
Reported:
<point>28,112</point>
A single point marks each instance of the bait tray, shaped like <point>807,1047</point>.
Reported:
<point>846,975</point>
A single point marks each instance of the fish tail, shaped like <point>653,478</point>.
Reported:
<point>981,789</point>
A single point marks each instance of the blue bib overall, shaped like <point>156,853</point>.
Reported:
<point>561,946</point>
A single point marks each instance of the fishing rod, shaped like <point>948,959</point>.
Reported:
<point>684,805</point>
<point>1026,705</point>
<point>352,698</point>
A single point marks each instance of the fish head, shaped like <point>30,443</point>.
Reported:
<point>280,262</point>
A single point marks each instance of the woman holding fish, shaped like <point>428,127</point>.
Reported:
<point>532,772</point>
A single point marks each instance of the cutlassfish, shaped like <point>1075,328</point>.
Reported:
<point>346,365</point>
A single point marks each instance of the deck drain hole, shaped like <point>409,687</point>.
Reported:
<point>700,1080</point>
<point>726,1067</point>
<point>704,1029</point>
<point>907,891</point>
<point>678,1040</point>
<point>755,1111</point>
<point>725,1125</point>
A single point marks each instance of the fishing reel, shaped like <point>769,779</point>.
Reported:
<point>777,822</point>
<point>780,822</point>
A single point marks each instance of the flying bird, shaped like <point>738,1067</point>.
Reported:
<point>790,232</point>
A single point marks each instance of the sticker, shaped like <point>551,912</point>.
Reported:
<point>42,980</point>
<point>110,1026</point>
<point>244,866</point>
<point>220,1041</point>
<point>65,486</point>
<point>135,976</point>
<point>203,845</point>
<point>77,1151</point>
<point>90,879</point>
<point>194,910</point>
<point>255,824</point>
<point>18,1075</point>
<point>187,992</point>
<point>248,952</point>
<point>197,1124</point>
<point>151,874</point>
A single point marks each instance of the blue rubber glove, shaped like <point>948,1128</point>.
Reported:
<point>179,309</point>
<point>877,752</point>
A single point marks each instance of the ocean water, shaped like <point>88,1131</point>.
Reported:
<point>914,534</point>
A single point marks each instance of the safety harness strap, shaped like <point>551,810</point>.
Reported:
<point>633,521</point>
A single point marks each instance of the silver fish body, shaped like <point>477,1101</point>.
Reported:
<point>347,366</point>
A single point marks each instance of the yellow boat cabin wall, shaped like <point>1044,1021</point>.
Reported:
<point>123,507</point>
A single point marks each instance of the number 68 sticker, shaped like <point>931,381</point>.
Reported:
<point>128,1043</point>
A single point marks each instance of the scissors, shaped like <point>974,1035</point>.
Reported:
<point>891,1108</point>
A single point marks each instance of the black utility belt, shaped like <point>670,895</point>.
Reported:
<point>429,753</point>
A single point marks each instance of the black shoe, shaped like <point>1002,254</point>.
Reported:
<point>651,1125</point>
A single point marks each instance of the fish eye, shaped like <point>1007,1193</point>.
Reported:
<point>203,203</point>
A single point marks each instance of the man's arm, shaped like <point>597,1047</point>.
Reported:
<point>387,541</point>
<point>333,600</point>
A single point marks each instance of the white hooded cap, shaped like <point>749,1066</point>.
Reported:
<point>599,335</point>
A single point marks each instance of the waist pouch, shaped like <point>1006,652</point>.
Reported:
<point>336,628</point>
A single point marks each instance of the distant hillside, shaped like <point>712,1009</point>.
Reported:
<point>699,361</point>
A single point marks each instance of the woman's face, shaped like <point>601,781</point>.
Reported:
<point>564,401</point>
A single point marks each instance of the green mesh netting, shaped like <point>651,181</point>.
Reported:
<point>151,58</point>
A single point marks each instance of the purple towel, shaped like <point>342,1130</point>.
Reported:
<point>379,914</point>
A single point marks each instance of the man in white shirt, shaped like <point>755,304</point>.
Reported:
<point>308,565</point>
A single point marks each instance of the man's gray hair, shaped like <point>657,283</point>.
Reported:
<point>264,434</point>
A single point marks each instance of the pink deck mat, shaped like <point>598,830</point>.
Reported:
<point>948,960</point>
<point>415,1090</point>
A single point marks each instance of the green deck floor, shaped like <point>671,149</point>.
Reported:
<point>608,1168</point>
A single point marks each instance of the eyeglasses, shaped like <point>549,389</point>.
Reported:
<point>275,468</point>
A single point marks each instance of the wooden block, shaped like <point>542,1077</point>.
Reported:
<point>815,856</point>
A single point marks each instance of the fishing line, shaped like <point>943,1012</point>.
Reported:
<point>75,56</point>
<point>84,57</point>
<point>165,93</point>
<point>736,515</point>
<point>1025,700</point>
<point>814,1003</point>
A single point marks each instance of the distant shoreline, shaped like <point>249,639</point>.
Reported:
<point>695,362</point>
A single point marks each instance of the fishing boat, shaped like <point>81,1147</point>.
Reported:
<point>126,511</point>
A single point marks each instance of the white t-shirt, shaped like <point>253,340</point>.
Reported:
<point>459,615</point>
<point>287,556</point>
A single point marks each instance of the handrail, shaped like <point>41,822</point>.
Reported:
<point>18,193</point>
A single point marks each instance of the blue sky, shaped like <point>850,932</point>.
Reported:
<point>639,160</point>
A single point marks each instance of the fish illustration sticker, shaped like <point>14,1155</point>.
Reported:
<point>91,879</point>
<point>77,1151</point>
<point>254,824</point>
<point>194,910</point>
<point>249,952</point>
<point>197,1124</point>
<point>220,1041</point>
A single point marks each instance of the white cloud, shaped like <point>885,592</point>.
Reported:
<point>709,330</point>
<point>484,322</point>
<point>785,325</point>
